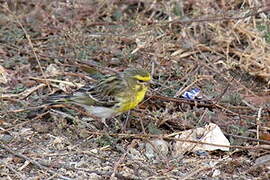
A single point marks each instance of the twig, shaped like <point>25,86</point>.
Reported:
<point>190,175</point>
<point>202,103</point>
<point>266,9</point>
<point>2,146</point>
<point>207,103</point>
<point>22,110</point>
<point>14,170</point>
<point>83,76</point>
<point>58,81</point>
<point>30,43</point>
<point>258,122</point>
<point>25,122</point>
<point>181,91</point>
<point>249,138</point>
<point>121,159</point>
<point>23,94</point>
<point>167,137</point>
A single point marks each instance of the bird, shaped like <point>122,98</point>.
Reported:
<point>112,95</point>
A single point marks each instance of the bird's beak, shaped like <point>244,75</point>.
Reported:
<point>148,83</point>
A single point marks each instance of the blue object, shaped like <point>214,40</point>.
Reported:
<point>192,94</point>
<point>201,153</point>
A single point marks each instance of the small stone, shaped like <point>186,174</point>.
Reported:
<point>94,176</point>
<point>115,61</point>
<point>95,151</point>
<point>6,138</point>
<point>263,160</point>
<point>134,154</point>
<point>156,145</point>
<point>216,173</point>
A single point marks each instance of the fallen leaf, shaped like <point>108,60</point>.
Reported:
<point>3,75</point>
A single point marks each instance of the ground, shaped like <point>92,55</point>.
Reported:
<point>56,47</point>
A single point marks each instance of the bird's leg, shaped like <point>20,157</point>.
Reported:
<point>124,126</point>
<point>103,120</point>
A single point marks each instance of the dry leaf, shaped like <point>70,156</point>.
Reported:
<point>3,75</point>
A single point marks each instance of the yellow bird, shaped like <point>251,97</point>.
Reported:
<point>112,95</point>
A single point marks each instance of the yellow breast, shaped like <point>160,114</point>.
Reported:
<point>130,102</point>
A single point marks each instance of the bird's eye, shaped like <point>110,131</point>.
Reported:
<point>140,81</point>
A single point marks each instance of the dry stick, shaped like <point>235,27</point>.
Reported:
<point>83,76</point>
<point>103,173</point>
<point>218,98</point>
<point>117,164</point>
<point>249,138</point>
<point>22,110</point>
<point>166,137</point>
<point>182,79</point>
<point>181,91</point>
<point>103,70</point>
<point>190,175</point>
<point>178,100</point>
<point>30,43</point>
<point>56,80</point>
<point>20,176</point>
<point>2,146</point>
<point>264,163</point>
<point>209,66</point>
<point>162,177</point>
<point>158,152</point>
<point>23,94</point>
<point>25,122</point>
<point>267,8</point>
<point>141,122</point>
<point>258,123</point>
<point>69,167</point>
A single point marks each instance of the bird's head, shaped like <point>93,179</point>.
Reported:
<point>137,76</point>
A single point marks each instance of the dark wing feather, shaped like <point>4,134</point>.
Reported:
<point>102,94</point>
<point>105,91</point>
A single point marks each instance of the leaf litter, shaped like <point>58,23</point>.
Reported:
<point>220,47</point>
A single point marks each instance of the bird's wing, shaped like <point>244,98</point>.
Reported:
<point>105,92</point>
<point>102,94</point>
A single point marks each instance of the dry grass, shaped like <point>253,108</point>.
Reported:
<point>221,47</point>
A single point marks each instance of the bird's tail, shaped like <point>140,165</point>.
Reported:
<point>58,99</point>
<point>80,98</point>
